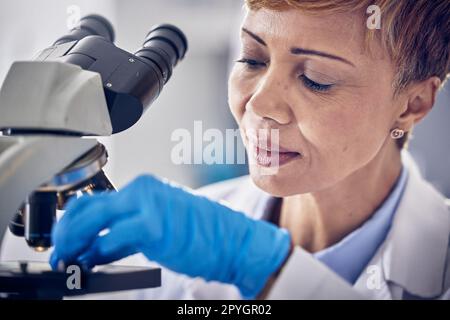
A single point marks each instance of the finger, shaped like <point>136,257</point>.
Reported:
<point>128,200</point>
<point>141,187</point>
<point>79,227</point>
<point>78,202</point>
<point>122,240</point>
<point>75,207</point>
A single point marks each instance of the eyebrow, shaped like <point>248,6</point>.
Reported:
<point>300,51</point>
<point>254,36</point>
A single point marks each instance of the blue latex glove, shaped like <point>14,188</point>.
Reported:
<point>184,232</point>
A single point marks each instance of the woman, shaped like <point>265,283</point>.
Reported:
<point>346,213</point>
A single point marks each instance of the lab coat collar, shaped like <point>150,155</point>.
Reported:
<point>415,250</point>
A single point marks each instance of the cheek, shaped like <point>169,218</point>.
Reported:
<point>336,131</point>
<point>344,139</point>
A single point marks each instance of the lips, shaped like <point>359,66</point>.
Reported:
<point>268,154</point>
<point>268,158</point>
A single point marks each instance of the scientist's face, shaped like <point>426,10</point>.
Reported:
<point>310,78</point>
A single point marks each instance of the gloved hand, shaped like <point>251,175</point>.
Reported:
<point>184,232</point>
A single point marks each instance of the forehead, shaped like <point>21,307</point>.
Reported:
<point>339,33</point>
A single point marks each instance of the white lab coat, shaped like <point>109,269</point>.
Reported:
<point>412,262</point>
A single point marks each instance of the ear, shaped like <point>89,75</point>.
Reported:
<point>420,98</point>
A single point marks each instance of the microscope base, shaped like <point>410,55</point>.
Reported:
<point>36,280</point>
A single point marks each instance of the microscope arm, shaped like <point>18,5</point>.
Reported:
<point>28,162</point>
<point>54,97</point>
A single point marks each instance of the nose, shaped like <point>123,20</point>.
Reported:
<point>269,101</point>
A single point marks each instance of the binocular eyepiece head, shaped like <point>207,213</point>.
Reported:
<point>129,87</point>
<point>165,45</point>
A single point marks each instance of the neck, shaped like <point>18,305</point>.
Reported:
<point>320,219</point>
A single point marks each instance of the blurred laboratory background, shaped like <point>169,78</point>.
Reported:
<point>196,91</point>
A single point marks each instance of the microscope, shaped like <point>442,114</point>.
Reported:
<point>51,111</point>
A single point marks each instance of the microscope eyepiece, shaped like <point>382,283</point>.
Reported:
<point>90,25</point>
<point>131,81</point>
<point>164,45</point>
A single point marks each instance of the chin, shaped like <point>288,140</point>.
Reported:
<point>279,184</point>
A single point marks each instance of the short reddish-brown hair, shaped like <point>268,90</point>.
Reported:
<point>415,33</point>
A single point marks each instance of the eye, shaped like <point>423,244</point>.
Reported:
<point>315,86</point>
<point>252,64</point>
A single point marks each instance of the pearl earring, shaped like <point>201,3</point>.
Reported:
<point>397,134</point>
